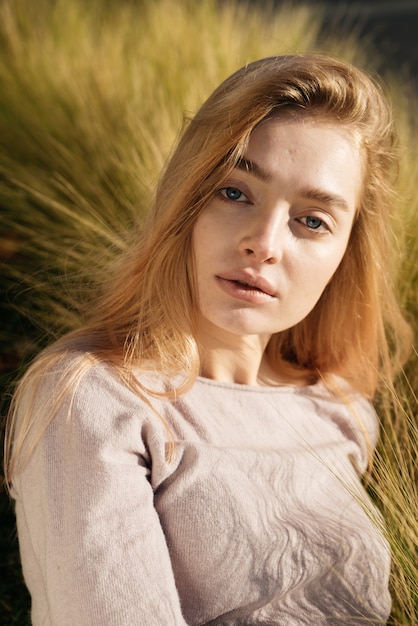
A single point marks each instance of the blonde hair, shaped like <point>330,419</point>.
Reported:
<point>147,316</point>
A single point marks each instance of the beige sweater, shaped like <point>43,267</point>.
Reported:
<point>257,519</point>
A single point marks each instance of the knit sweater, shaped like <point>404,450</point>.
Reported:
<point>259,517</point>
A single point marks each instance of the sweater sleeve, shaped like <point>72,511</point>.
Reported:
<point>93,550</point>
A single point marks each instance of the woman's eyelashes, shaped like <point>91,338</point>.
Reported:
<point>233,194</point>
<point>314,223</point>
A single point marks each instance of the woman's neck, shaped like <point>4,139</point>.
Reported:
<point>244,360</point>
<point>232,358</point>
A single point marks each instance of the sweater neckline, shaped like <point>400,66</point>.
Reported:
<point>279,388</point>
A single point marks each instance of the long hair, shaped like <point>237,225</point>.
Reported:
<point>146,318</point>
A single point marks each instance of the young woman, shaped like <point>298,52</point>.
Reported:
<point>193,454</point>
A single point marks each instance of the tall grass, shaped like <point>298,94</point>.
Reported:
<point>92,97</point>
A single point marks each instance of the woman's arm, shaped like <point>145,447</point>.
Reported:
<point>93,550</point>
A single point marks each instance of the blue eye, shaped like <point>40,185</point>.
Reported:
<point>233,194</point>
<point>313,222</point>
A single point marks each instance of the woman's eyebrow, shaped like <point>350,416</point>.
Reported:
<point>310,193</point>
<point>252,168</point>
<point>325,197</point>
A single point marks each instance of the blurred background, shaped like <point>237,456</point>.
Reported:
<point>392,25</point>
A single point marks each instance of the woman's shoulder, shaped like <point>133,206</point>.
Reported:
<point>353,414</point>
<point>80,386</point>
<point>337,396</point>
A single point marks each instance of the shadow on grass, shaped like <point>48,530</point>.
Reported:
<point>14,597</point>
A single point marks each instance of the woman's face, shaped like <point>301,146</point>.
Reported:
<point>274,233</point>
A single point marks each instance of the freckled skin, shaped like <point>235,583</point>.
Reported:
<point>291,226</point>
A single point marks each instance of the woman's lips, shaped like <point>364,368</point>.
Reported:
<point>250,279</point>
<point>247,287</point>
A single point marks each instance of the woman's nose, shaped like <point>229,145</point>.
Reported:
<point>263,240</point>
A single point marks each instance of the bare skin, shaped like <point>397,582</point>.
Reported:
<point>270,240</point>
